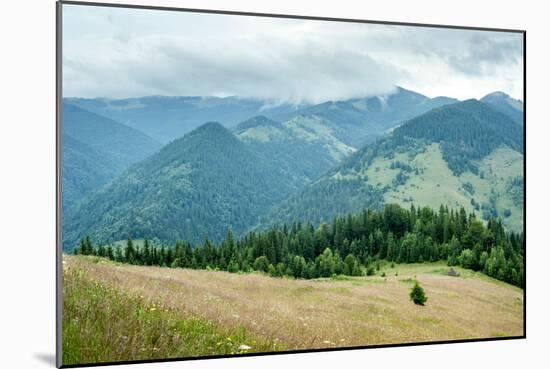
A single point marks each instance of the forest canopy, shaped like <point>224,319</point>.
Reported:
<point>351,245</point>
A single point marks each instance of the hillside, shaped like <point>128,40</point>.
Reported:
<point>358,121</point>
<point>84,170</point>
<point>195,187</point>
<point>506,105</point>
<point>120,142</point>
<point>95,150</point>
<point>305,146</point>
<point>464,154</point>
<point>271,314</point>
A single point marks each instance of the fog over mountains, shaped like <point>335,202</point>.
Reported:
<point>190,168</point>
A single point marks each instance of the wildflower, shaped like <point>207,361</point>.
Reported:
<point>153,309</point>
<point>244,347</point>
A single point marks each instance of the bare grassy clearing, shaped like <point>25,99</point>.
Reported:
<point>299,314</point>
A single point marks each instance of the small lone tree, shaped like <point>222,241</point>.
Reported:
<point>417,294</point>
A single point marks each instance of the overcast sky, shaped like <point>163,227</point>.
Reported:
<point>116,53</point>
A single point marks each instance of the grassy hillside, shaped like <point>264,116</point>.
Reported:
<point>465,154</point>
<point>305,146</point>
<point>149,312</point>
<point>435,184</point>
<point>102,323</point>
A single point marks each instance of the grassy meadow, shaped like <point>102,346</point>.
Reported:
<point>119,312</point>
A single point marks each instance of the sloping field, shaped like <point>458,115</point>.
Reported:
<point>283,314</point>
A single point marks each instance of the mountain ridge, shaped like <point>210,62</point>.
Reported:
<point>95,150</point>
<point>195,187</point>
<point>505,104</point>
<point>394,167</point>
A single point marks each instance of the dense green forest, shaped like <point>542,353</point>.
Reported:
<point>352,245</point>
<point>95,150</point>
<point>264,172</point>
<point>192,187</point>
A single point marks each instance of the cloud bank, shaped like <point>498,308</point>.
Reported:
<point>113,52</point>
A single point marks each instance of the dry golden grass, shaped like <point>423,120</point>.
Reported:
<point>303,314</point>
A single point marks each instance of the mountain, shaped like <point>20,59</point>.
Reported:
<point>84,170</point>
<point>505,104</point>
<point>166,118</point>
<point>358,121</point>
<point>122,143</point>
<point>96,149</point>
<point>304,147</point>
<point>463,154</point>
<point>195,187</point>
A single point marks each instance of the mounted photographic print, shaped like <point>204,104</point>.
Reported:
<point>238,184</point>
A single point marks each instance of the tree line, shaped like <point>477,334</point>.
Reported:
<point>353,245</point>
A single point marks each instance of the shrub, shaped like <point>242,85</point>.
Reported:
<point>417,294</point>
<point>262,264</point>
<point>233,267</point>
<point>467,259</point>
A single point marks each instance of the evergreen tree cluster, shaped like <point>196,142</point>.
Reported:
<point>352,245</point>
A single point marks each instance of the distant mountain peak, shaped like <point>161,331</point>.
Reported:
<point>210,127</point>
<point>209,132</point>
<point>505,104</point>
<point>467,102</point>
<point>496,94</point>
<point>499,95</point>
<point>256,121</point>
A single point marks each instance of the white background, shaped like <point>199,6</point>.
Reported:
<point>27,182</point>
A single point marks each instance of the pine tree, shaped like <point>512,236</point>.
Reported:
<point>417,294</point>
<point>129,252</point>
<point>146,254</point>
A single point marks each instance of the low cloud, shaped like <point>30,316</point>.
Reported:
<point>118,53</point>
